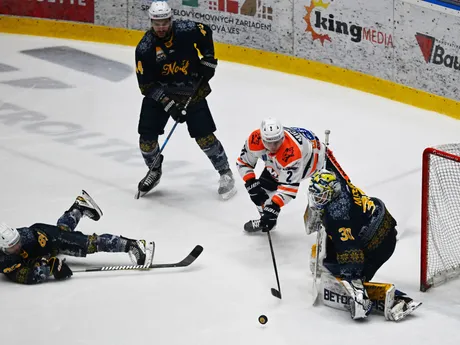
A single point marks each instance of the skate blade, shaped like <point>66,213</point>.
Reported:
<point>91,201</point>
<point>228,195</point>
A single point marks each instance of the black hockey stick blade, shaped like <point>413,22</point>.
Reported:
<point>194,254</point>
<point>276,293</point>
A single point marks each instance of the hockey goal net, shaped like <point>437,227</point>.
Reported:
<point>440,247</point>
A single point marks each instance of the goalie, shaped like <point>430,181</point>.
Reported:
<point>361,237</point>
<point>28,255</point>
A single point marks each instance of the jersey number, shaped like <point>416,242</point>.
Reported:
<point>289,178</point>
<point>11,269</point>
<point>346,234</point>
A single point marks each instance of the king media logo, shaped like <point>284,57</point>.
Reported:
<point>322,23</point>
<point>253,8</point>
<point>433,51</point>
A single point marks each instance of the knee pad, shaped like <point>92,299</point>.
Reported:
<point>206,143</point>
<point>149,149</point>
<point>92,244</point>
<point>147,145</point>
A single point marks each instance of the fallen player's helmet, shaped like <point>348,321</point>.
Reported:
<point>159,10</point>
<point>9,236</point>
<point>323,188</point>
<point>272,133</point>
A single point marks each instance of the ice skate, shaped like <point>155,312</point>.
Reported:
<point>403,306</point>
<point>226,185</point>
<point>141,252</point>
<point>87,206</point>
<point>151,180</point>
<point>252,226</point>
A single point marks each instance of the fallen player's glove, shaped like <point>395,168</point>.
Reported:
<point>59,269</point>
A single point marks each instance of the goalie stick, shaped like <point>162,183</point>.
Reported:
<point>319,236</point>
<point>188,260</point>
<point>184,112</point>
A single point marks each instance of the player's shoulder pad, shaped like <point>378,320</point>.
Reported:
<point>184,25</point>
<point>255,141</point>
<point>289,152</point>
<point>146,43</point>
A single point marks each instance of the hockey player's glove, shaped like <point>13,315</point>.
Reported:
<point>256,192</point>
<point>59,269</point>
<point>173,109</point>
<point>269,217</point>
<point>207,68</point>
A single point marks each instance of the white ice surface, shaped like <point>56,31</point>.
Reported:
<point>217,300</point>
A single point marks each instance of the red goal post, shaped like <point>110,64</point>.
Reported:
<point>440,238</point>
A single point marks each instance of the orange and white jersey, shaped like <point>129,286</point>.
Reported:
<point>300,155</point>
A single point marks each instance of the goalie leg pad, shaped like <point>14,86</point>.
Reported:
<point>386,300</point>
<point>359,301</point>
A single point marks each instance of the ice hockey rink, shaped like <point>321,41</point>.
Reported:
<point>68,121</point>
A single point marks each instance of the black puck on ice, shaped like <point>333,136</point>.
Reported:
<point>263,319</point>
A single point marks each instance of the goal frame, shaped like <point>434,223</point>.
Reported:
<point>427,153</point>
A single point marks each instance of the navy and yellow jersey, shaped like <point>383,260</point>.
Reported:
<point>171,66</point>
<point>356,224</point>
<point>36,243</point>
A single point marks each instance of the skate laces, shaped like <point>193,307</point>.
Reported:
<point>151,177</point>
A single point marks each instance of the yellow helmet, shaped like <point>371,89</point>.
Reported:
<point>323,188</point>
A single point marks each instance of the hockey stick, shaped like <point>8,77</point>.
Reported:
<point>319,235</point>
<point>184,112</point>
<point>188,260</point>
<point>276,293</point>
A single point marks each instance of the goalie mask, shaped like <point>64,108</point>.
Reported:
<point>272,133</point>
<point>323,188</point>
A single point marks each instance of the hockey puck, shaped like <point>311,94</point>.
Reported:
<point>263,319</point>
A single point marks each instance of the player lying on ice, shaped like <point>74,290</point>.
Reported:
<point>361,237</point>
<point>29,255</point>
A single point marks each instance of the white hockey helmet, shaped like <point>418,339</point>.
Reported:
<point>272,133</point>
<point>159,10</point>
<point>9,237</point>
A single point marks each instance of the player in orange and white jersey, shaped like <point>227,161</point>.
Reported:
<point>290,154</point>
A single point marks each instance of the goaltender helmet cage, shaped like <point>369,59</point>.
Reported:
<point>324,187</point>
<point>9,236</point>
<point>159,10</point>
